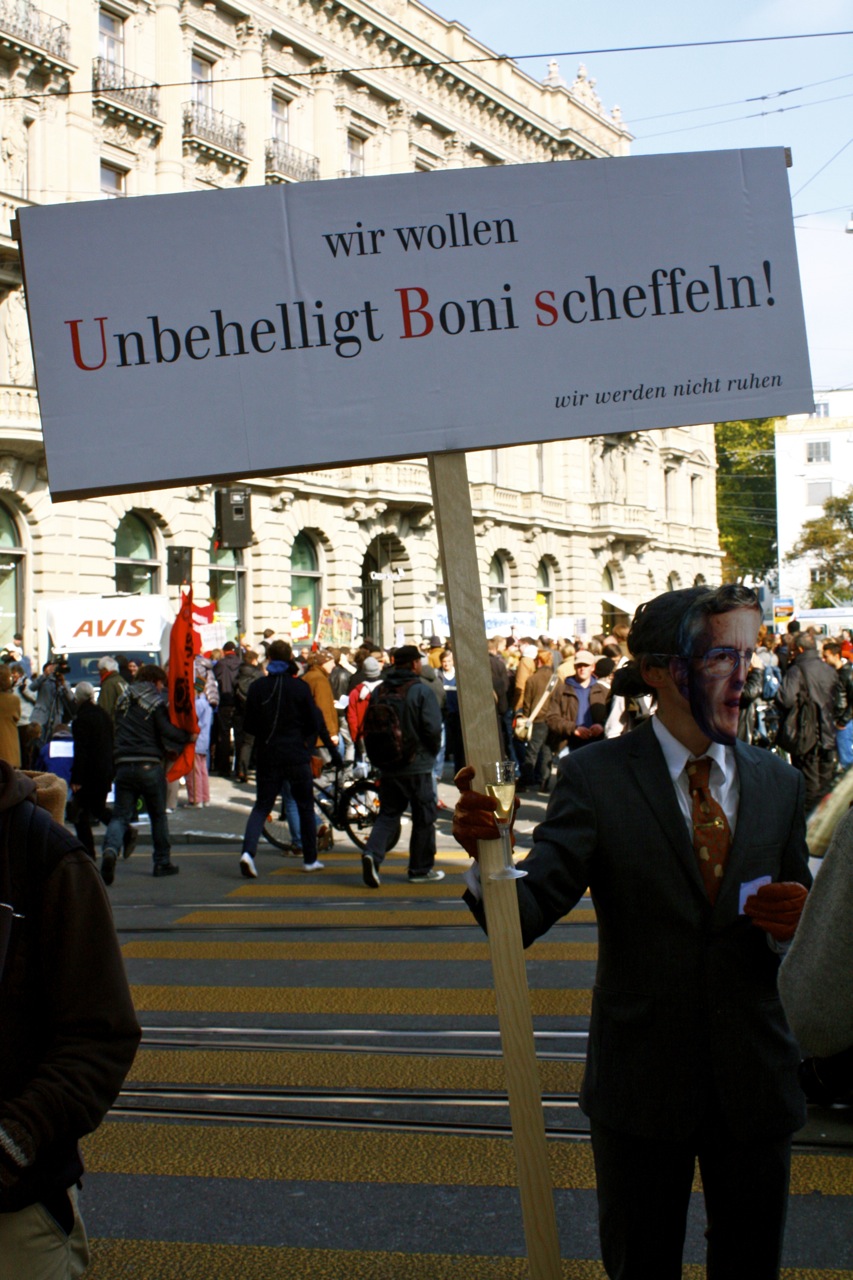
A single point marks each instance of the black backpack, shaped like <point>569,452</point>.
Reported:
<point>386,745</point>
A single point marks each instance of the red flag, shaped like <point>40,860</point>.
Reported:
<point>202,614</point>
<point>182,685</point>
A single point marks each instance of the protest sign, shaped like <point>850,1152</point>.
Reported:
<point>336,627</point>
<point>398,317</point>
<point>402,317</point>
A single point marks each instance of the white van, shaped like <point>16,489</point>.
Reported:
<point>82,629</point>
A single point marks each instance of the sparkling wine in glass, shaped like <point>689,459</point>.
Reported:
<point>500,785</point>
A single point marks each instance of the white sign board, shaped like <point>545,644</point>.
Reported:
<point>218,334</point>
<point>87,624</point>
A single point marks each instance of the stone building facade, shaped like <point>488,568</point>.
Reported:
<point>133,97</point>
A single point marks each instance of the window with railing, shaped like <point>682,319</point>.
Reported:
<point>287,161</point>
<point>111,38</point>
<point>113,80</point>
<point>214,127</point>
<point>25,22</point>
<point>201,74</point>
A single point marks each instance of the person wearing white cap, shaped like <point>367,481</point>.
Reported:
<point>578,708</point>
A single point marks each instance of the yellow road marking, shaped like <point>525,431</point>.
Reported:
<point>123,1259</point>
<point>366,1001</point>
<point>170,1260</point>
<point>449,952</point>
<point>318,1070</point>
<point>459,917</point>
<point>326,1155</point>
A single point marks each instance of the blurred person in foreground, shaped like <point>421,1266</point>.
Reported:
<point>815,978</point>
<point>68,1031</point>
<point>692,845</point>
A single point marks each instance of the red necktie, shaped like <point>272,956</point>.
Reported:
<point>712,838</point>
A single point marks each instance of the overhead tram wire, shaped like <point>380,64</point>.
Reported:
<point>737,102</point>
<point>420,62</point>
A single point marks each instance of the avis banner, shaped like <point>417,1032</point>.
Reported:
<point>284,327</point>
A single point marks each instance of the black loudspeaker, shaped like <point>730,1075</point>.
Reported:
<point>179,566</point>
<point>233,518</point>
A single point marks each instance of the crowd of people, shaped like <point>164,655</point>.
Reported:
<point>552,698</point>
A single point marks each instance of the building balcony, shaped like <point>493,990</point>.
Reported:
<point>123,94</point>
<point>214,133</point>
<point>285,163</point>
<point>29,33</point>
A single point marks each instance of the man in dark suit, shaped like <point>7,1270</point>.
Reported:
<point>692,845</point>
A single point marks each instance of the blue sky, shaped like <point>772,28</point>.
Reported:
<point>794,93</point>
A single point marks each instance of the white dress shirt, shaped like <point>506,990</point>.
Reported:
<point>723,782</point>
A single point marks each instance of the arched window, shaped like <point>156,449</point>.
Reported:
<point>11,578</point>
<point>371,598</point>
<point>137,566</point>
<point>305,578</point>
<point>227,588</point>
<point>498,590</point>
<point>673,583</point>
<point>544,596</point>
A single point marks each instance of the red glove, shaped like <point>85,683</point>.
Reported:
<point>776,908</point>
<point>473,817</point>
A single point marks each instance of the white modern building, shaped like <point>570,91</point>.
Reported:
<point>814,461</point>
<point>132,97</point>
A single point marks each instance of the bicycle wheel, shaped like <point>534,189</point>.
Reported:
<point>360,806</point>
<point>277,831</point>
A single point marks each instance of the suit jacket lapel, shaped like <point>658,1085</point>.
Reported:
<point>650,770</point>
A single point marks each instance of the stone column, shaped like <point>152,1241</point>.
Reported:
<point>173,68</point>
<point>255,103</point>
<point>326,141</point>
<point>400,121</point>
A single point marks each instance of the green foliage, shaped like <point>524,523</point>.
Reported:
<point>746,498</point>
<point>828,542</point>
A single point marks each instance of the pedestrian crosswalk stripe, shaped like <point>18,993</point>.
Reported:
<point>429,1002</point>
<point>446,952</point>
<point>358,916</point>
<point>319,1154</point>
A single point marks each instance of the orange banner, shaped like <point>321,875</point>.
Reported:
<point>181,685</point>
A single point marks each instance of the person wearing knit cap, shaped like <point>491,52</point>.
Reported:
<point>358,702</point>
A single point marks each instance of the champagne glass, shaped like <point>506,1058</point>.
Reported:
<point>500,785</point>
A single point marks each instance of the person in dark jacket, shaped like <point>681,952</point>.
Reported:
<point>68,1031</point>
<point>144,738</point>
<point>54,701</point>
<point>809,679</point>
<point>284,722</point>
<point>408,784</point>
<point>834,658</point>
<point>577,710</point>
<point>250,671</point>
<point>228,721</point>
<point>92,767</point>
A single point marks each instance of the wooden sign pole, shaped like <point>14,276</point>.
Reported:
<point>452,505</point>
